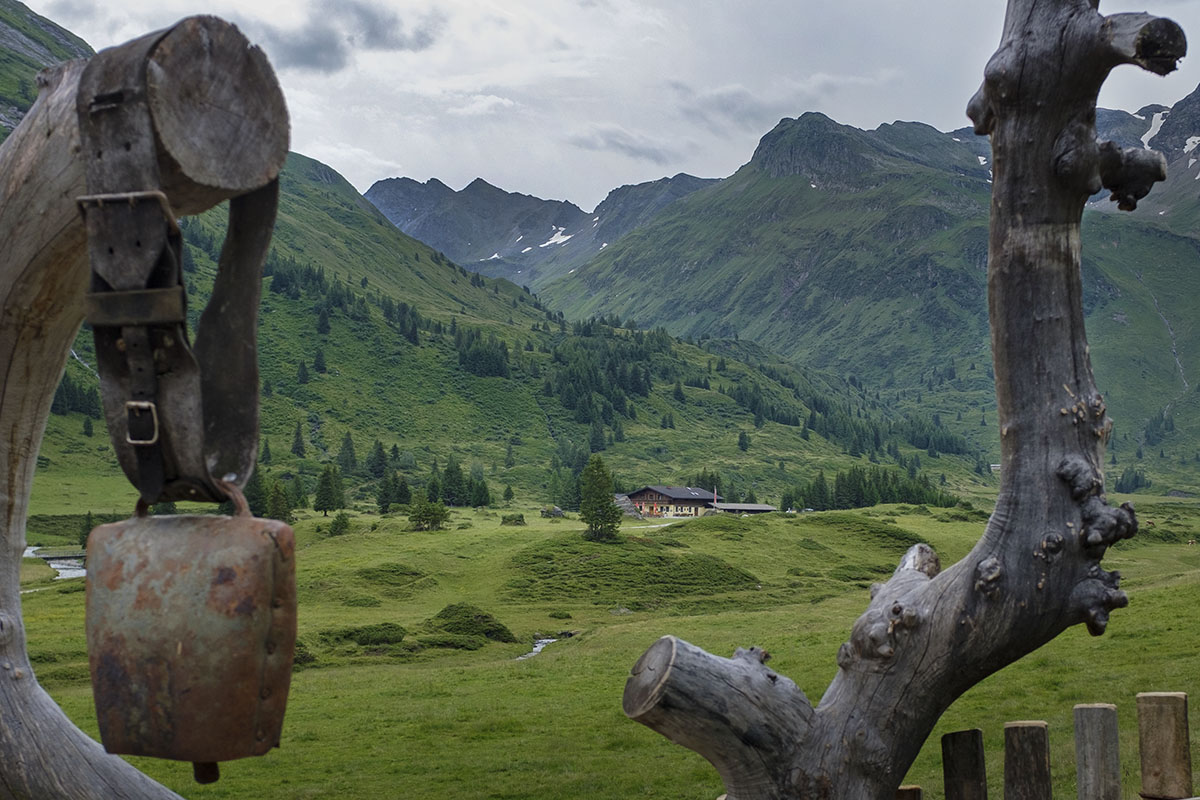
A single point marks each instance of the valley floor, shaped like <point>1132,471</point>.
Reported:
<point>420,713</point>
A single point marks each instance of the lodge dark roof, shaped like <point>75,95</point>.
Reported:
<point>749,508</point>
<point>680,493</point>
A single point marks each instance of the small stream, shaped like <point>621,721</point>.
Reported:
<point>538,646</point>
<point>65,567</point>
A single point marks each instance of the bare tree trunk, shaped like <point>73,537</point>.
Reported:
<point>221,130</point>
<point>928,636</point>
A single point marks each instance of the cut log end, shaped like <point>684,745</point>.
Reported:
<point>647,678</point>
<point>219,112</point>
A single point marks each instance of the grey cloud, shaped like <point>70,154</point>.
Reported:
<point>327,40</point>
<point>613,138</point>
<point>719,109</point>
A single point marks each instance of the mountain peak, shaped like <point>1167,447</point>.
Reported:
<point>812,146</point>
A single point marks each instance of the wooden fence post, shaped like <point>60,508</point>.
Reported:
<point>1027,761</point>
<point>1165,748</point>
<point>964,770</point>
<point>1097,752</point>
<point>909,793</point>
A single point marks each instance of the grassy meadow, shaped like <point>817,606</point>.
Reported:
<point>394,699</point>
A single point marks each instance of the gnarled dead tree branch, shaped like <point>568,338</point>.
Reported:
<point>220,131</point>
<point>928,636</point>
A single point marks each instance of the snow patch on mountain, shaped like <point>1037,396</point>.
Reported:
<point>557,238</point>
<point>1155,124</point>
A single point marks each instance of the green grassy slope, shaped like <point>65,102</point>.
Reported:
<point>864,254</point>
<point>403,713</point>
<point>334,254</point>
<point>28,42</point>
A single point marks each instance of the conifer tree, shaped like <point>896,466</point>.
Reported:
<point>323,321</point>
<point>265,458</point>
<point>403,495</point>
<point>298,442</point>
<point>297,494</point>
<point>377,461</point>
<point>278,505</point>
<point>508,493</point>
<point>301,373</point>
<point>319,361</point>
<point>329,496</point>
<point>596,437</point>
<point>346,460</point>
<point>256,494</point>
<point>386,493</point>
<point>480,494</point>
<point>454,485</point>
<point>596,506</point>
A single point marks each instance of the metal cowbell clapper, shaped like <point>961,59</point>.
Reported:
<point>191,619</point>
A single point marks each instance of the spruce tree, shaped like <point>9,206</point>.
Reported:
<point>596,437</point>
<point>386,493</point>
<point>403,495</point>
<point>87,426</point>
<point>297,494</point>
<point>329,496</point>
<point>454,485</point>
<point>508,493</point>
<point>301,373</point>
<point>298,442</point>
<point>256,494</point>
<point>278,505</point>
<point>377,461</point>
<point>323,321</point>
<point>346,460</point>
<point>265,458</point>
<point>596,506</point>
<point>480,494</point>
<point>319,361</point>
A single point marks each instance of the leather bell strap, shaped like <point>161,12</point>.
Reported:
<point>182,419</point>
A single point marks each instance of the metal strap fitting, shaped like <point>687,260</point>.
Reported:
<point>134,411</point>
<point>132,198</point>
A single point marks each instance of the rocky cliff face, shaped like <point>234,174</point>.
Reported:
<point>525,239</point>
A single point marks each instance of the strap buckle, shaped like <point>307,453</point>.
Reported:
<point>134,411</point>
<point>132,198</point>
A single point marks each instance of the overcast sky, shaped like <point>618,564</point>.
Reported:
<point>568,99</point>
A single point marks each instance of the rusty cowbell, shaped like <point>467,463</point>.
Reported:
<point>191,631</point>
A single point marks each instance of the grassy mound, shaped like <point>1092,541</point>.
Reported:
<point>634,571</point>
<point>465,627</point>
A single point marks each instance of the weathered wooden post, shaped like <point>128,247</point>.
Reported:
<point>1027,761</point>
<point>909,793</point>
<point>964,769</point>
<point>1097,752</point>
<point>1165,745</point>
<point>929,635</point>
<point>221,130</point>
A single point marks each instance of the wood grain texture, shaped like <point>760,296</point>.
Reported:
<point>1097,752</point>
<point>928,636</point>
<point>1165,746</point>
<point>43,277</point>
